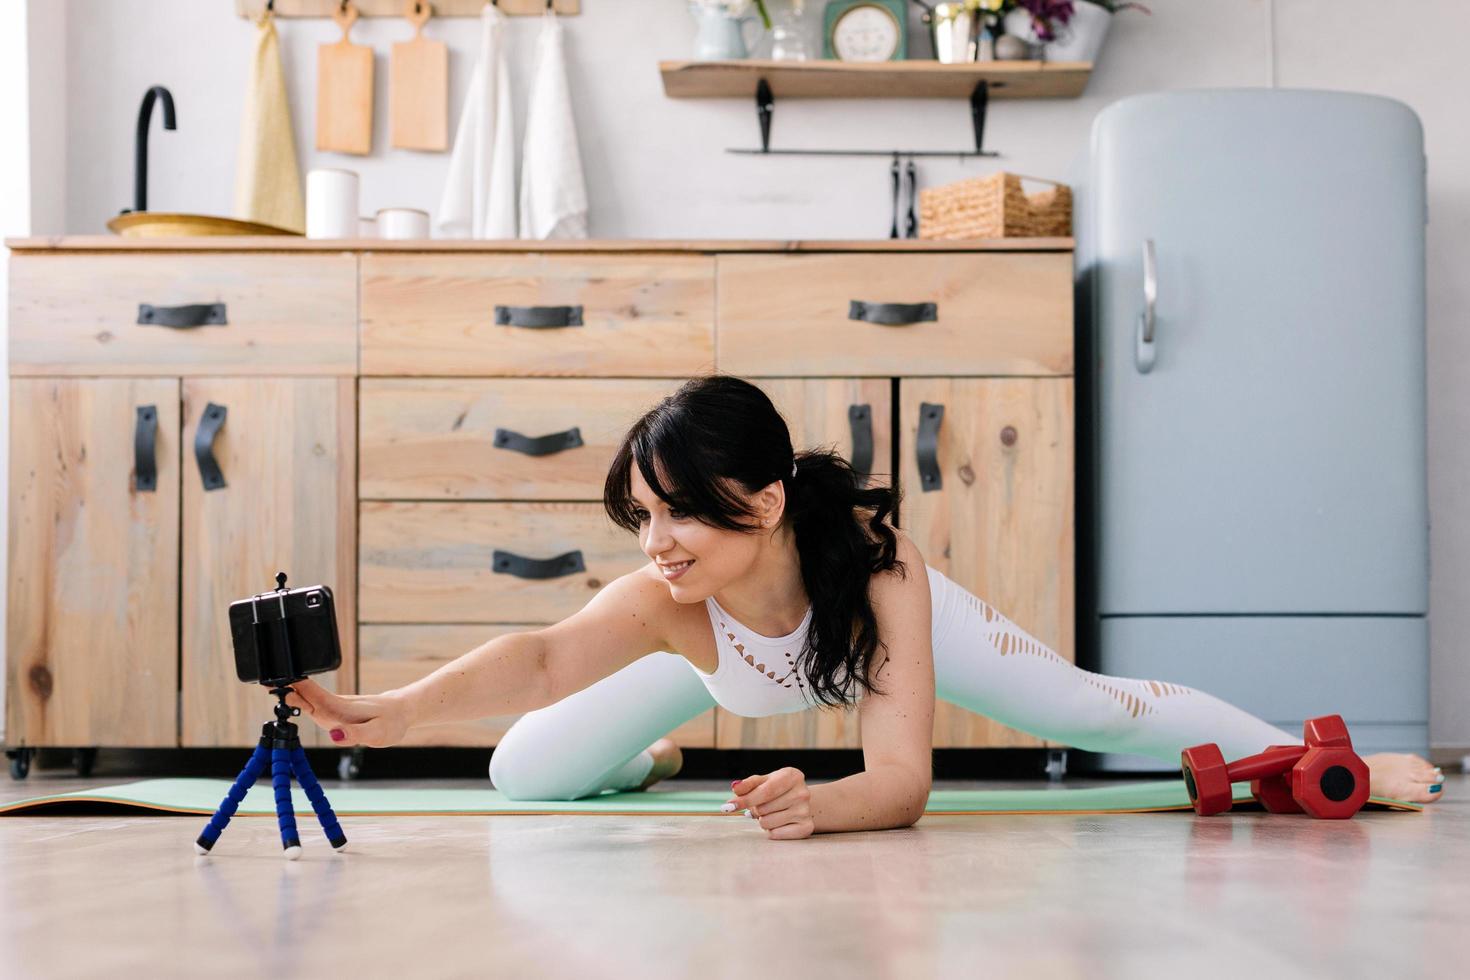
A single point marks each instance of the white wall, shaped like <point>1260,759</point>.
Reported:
<point>656,167</point>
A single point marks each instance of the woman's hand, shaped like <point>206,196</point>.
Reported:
<point>374,720</point>
<point>780,800</point>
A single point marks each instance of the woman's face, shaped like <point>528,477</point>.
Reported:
<point>695,559</point>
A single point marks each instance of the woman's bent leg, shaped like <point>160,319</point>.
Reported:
<point>595,739</point>
<point>983,662</point>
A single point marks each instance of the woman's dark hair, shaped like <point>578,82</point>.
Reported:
<point>718,438</point>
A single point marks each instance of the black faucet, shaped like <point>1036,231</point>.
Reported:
<point>140,152</point>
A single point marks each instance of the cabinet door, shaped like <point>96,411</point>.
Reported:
<point>854,415</point>
<point>92,647</point>
<point>991,506</point>
<point>287,454</point>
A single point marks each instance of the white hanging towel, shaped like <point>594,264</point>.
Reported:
<point>480,194</point>
<point>553,193</point>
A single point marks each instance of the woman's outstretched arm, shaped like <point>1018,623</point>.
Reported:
<point>511,674</point>
<point>507,675</point>
<point>898,726</point>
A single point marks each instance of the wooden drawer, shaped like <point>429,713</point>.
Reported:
<point>466,439</point>
<point>640,315</point>
<point>397,655</point>
<point>82,314</point>
<point>994,313</point>
<point>436,562</point>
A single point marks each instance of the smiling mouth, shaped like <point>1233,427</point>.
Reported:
<point>673,568</point>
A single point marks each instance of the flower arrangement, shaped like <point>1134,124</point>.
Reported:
<point>1047,15</point>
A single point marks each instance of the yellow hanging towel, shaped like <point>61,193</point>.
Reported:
<point>267,178</point>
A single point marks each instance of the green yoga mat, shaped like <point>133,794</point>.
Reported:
<point>203,797</point>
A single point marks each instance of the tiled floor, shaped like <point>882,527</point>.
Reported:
<point>1245,895</point>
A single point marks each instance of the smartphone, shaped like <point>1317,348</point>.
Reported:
<point>283,635</point>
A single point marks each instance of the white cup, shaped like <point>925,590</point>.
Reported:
<point>331,204</point>
<point>403,223</point>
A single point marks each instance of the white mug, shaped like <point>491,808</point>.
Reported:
<point>403,223</point>
<point>331,204</point>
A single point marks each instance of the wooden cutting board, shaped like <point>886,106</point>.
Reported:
<point>418,90</point>
<point>344,91</point>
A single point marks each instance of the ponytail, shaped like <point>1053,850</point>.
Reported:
<point>844,539</point>
<point>718,435</point>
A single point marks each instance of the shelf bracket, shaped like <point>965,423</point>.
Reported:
<point>978,101</point>
<point>765,108</point>
<point>765,111</point>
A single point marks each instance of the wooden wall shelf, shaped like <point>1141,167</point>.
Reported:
<point>827,79</point>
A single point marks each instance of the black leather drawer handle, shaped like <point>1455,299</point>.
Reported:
<point>209,426</point>
<point>145,431</point>
<point>926,446</point>
<point>892,314</point>
<point>509,563</point>
<point>195,315</point>
<point>860,421</point>
<point>538,316</point>
<point>538,445</point>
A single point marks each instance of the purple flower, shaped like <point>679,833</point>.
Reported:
<point>1047,14</point>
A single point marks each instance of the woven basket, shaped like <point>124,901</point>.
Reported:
<point>994,206</point>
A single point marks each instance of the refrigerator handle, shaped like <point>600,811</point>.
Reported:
<point>1143,354</point>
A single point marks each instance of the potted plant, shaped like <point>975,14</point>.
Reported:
<point>1081,37</point>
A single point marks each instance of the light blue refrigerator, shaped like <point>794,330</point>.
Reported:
<point>1253,514</point>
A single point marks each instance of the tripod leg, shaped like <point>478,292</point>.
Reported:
<point>285,812</point>
<point>243,782</point>
<point>318,797</point>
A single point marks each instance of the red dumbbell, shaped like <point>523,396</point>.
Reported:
<point>1324,778</point>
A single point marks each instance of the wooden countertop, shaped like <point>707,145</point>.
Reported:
<point>116,243</point>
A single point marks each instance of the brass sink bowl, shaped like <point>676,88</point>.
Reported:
<point>163,224</point>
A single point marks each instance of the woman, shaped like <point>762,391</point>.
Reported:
<point>779,583</point>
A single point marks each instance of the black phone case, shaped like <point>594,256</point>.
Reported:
<point>310,619</point>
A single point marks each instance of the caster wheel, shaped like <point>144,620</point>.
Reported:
<point>1056,765</point>
<point>349,764</point>
<point>83,760</point>
<point>20,762</point>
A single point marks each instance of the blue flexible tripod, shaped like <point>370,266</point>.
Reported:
<point>280,745</point>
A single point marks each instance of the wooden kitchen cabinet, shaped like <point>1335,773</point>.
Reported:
<point>425,427</point>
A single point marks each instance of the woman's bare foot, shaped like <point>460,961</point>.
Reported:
<point>1400,776</point>
<point>667,760</point>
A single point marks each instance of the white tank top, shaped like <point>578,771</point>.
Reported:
<point>756,675</point>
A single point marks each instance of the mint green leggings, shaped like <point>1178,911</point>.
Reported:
<point>596,739</point>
